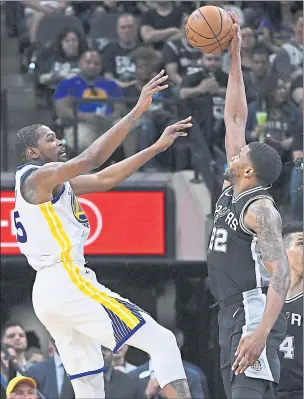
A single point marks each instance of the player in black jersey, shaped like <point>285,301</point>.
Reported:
<point>291,382</point>
<point>247,262</point>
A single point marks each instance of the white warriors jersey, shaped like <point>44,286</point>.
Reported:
<point>52,232</point>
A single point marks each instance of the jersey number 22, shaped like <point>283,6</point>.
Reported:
<point>20,230</point>
<point>218,240</point>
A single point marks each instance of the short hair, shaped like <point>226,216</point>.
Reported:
<point>147,54</point>
<point>126,15</point>
<point>259,49</point>
<point>9,325</point>
<point>266,162</point>
<point>32,350</point>
<point>289,228</point>
<point>26,137</point>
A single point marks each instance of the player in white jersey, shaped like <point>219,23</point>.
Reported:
<point>79,312</point>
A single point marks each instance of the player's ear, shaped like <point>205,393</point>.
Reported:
<point>32,153</point>
<point>249,172</point>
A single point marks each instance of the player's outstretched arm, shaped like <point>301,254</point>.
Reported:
<point>115,174</point>
<point>53,174</point>
<point>236,110</point>
<point>265,221</point>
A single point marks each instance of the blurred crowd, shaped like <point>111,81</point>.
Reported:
<point>90,60</point>
<point>21,355</point>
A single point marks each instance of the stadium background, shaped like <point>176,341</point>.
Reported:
<point>149,235</point>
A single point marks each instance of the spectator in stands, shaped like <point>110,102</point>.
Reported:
<point>179,57</point>
<point>13,334</point>
<point>161,23</point>
<point>248,43</point>
<point>288,64</point>
<point>260,69</point>
<point>118,384</point>
<point>205,90</point>
<point>51,378</point>
<point>7,369</point>
<point>275,27</point>
<point>190,367</point>
<point>147,64</point>
<point>119,360</point>
<point>33,356</point>
<point>274,119</point>
<point>61,60</point>
<point>94,117</point>
<point>22,388</point>
<point>118,64</point>
<point>36,10</point>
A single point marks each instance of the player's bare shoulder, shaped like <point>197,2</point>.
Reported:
<point>263,214</point>
<point>33,187</point>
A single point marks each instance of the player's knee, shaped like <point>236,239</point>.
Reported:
<point>89,387</point>
<point>167,338</point>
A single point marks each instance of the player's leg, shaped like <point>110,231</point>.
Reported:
<point>161,345</point>
<point>253,388</point>
<point>82,359</point>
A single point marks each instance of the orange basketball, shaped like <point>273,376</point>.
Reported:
<point>209,29</point>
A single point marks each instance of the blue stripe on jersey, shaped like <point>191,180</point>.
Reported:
<point>26,164</point>
<point>57,198</point>
<point>91,372</point>
<point>120,330</point>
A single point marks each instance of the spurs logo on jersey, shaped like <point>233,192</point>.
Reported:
<point>47,232</point>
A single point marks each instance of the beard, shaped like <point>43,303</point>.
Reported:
<point>228,175</point>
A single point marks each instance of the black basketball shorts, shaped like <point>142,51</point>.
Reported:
<point>240,319</point>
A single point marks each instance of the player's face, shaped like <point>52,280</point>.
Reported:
<point>295,253</point>
<point>24,390</point>
<point>50,148</point>
<point>239,165</point>
<point>15,336</point>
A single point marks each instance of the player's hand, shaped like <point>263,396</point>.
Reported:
<point>236,42</point>
<point>153,388</point>
<point>150,89</point>
<point>172,132</point>
<point>248,351</point>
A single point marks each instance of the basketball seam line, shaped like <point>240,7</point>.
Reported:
<point>215,36</point>
<point>221,41</point>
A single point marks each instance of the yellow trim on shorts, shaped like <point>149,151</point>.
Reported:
<point>73,271</point>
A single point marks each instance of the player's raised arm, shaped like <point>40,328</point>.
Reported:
<point>262,218</point>
<point>52,174</point>
<point>236,110</point>
<point>115,174</point>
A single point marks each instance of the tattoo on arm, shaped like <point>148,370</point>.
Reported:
<point>269,234</point>
<point>177,389</point>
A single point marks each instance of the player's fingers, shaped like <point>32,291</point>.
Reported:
<point>239,347</point>
<point>160,74</point>
<point>184,120</point>
<point>244,366</point>
<point>157,90</point>
<point>180,134</point>
<point>238,359</point>
<point>156,82</point>
<point>182,126</point>
<point>239,366</point>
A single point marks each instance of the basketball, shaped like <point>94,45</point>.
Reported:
<point>209,29</point>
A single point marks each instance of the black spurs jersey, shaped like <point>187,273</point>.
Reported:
<point>291,349</point>
<point>234,262</point>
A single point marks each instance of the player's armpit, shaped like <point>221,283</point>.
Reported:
<point>262,218</point>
